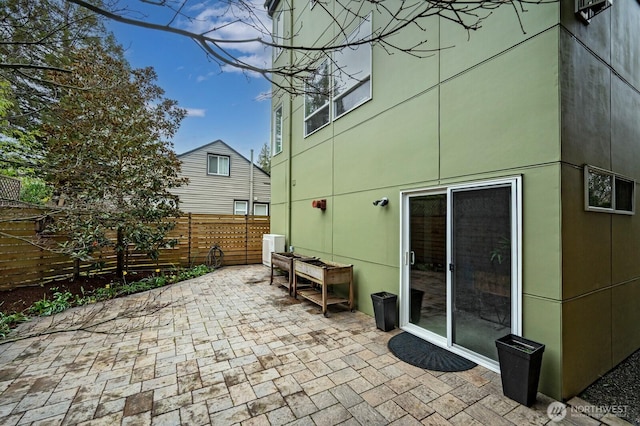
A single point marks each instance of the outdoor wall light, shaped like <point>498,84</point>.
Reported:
<point>319,204</point>
<point>381,202</point>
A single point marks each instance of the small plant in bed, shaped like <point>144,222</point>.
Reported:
<point>61,300</point>
<point>7,322</point>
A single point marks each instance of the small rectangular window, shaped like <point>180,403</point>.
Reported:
<point>240,207</point>
<point>277,131</point>
<point>217,165</point>
<point>278,34</point>
<point>316,99</point>
<point>260,209</point>
<point>606,191</point>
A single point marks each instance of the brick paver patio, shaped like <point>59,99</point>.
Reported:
<point>227,348</point>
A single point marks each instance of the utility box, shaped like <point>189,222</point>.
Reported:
<point>271,243</point>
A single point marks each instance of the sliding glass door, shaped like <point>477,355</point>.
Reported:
<point>461,265</point>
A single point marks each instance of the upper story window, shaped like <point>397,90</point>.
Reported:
<point>352,77</point>
<point>351,82</point>
<point>316,99</point>
<point>277,131</point>
<point>217,165</point>
<point>606,191</point>
<point>278,34</point>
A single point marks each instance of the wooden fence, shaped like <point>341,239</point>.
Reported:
<point>23,264</point>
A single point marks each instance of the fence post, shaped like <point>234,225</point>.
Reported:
<point>246,239</point>
<point>189,243</point>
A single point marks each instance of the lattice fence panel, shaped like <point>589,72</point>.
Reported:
<point>9,188</point>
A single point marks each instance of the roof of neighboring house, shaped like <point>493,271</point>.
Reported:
<point>271,5</point>
<point>220,141</point>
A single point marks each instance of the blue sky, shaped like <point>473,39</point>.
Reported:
<point>225,105</point>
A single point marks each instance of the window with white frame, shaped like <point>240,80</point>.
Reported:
<point>352,76</point>
<point>605,191</point>
<point>277,131</point>
<point>260,209</point>
<point>241,207</point>
<point>316,99</point>
<point>217,165</point>
<point>351,81</point>
<point>278,34</point>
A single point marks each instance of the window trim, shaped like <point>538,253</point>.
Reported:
<point>209,155</point>
<point>588,169</point>
<point>246,203</point>
<point>274,146</point>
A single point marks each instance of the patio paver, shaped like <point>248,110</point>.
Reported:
<point>228,348</point>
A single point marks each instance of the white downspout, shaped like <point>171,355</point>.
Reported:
<point>250,212</point>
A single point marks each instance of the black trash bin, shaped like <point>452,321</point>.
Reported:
<point>384,308</point>
<point>520,362</point>
<point>416,305</point>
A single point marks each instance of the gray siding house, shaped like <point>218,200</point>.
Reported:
<point>221,181</point>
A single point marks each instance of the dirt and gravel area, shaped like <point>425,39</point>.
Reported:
<point>618,390</point>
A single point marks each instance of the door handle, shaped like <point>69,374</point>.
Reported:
<point>412,258</point>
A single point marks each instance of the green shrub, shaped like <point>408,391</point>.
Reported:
<point>60,302</point>
<point>7,322</point>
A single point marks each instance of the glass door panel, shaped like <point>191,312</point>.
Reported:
<point>427,274</point>
<point>481,222</point>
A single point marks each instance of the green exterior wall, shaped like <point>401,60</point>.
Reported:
<point>492,106</point>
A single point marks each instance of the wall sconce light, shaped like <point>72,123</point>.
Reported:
<point>381,202</point>
<point>319,204</point>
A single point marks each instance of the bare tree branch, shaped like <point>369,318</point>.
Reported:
<point>395,17</point>
<point>31,66</point>
<point>115,316</point>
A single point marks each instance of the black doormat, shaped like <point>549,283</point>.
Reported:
<point>420,353</point>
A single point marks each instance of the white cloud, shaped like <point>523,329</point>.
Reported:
<point>264,96</point>
<point>195,112</point>
<point>205,77</point>
<point>234,22</point>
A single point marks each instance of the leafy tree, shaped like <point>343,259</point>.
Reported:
<point>109,157</point>
<point>20,149</point>
<point>264,158</point>
<point>36,36</point>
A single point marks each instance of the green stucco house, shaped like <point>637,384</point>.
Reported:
<point>509,157</point>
